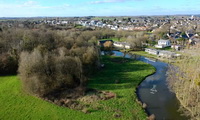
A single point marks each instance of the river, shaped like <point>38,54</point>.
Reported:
<point>155,93</point>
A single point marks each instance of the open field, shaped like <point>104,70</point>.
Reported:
<point>15,104</point>
<point>166,48</point>
<point>143,53</point>
<point>115,39</point>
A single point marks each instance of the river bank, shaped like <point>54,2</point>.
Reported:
<point>145,54</point>
<point>154,91</point>
<point>185,83</point>
<point>122,77</point>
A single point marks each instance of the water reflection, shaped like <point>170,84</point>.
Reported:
<point>153,90</point>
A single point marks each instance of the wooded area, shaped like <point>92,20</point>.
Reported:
<point>49,59</point>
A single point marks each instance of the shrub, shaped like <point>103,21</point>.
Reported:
<point>108,45</point>
<point>8,64</point>
<point>47,72</point>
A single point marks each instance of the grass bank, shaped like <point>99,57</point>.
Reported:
<point>145,54</point>
<point>15,104</point>
<point>115,39</point>
<point>128,75</point>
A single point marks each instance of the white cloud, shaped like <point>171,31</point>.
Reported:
<point>108,1</point>
<point>61,6</point>
<point>29,8</point>
<point>111,1</point>
<point>30,4</point>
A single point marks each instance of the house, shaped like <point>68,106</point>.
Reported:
<point>93,22</point>
<point>163,44</point>
<point>152,51</point>
<point>118,44</point>
<point>122,45</point>
<point>177,47</point>
<point>147,49</point>
<point>189,35</point>
<point>162,53</point>
<point>195,42</point>
<point>140,28</point>
<point>166,54</point>
<point>99,24</point>
<point>175,35</point>
<point>114,28</point>
<point>64,22</point>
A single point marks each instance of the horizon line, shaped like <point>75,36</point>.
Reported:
<point>99,16</point>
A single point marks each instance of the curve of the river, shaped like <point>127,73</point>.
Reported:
<point>155,93</point>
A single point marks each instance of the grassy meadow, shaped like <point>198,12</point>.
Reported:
<point>115,39</point>
<point>117,77</point>
<point>143,53</point>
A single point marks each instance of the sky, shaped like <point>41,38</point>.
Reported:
<point>65,8</point>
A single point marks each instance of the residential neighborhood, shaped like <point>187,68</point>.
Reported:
<point>178,30</point>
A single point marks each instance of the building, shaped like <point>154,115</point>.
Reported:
<point>162,53</point>
<point>152,51</point>
<point>166,54</point>
<point>163,44</point>
<point>177,47</point>
<point>122,45</point>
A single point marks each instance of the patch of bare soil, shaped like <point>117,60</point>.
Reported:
<point>77,99</point>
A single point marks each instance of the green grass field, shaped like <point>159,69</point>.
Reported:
<point>17,105</point>
<point>115,39</point>
<point>166,48</point>
<point>143,53</point>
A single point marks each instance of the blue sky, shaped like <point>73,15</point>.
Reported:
<point>33,8</point>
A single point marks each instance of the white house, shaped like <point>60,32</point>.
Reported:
<point>127,46</point>
<point>163,44</point>
<point>114,28</point>
<point>64,22</point>
<point>118,44</point>
<point>166,54</point>
<point>162,53</point>
<point>152,51</point>
<point>177,47</point>
<point>99,24</point>
<point>122,45</point>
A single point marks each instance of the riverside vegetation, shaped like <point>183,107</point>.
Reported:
<point>184,80</point>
